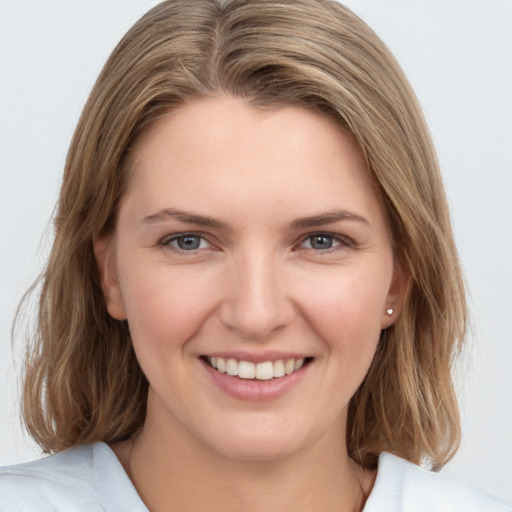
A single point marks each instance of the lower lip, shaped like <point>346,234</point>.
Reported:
<point>255,390</point>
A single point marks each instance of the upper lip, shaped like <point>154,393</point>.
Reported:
<point>257,357</point>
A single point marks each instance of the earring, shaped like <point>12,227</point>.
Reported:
<point>390,311</point>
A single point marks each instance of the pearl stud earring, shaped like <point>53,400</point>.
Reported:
<point>390,311</point>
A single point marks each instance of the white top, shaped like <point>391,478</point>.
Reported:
<point>90,478</point>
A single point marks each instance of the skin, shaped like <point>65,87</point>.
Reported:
<point>256,283</point>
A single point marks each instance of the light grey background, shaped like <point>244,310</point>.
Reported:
<point>458,56</point>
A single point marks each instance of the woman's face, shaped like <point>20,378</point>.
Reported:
<point>253,241</point>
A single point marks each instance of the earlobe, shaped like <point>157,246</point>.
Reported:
<point>395,298</point>
<point>103,247</point>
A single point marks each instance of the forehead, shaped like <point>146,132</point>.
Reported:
<point>215,149</point>
<point>232,129</point>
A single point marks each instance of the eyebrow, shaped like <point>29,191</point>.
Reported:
<point>185,217</point>
<point>203,220</point>
<point>328,218</point>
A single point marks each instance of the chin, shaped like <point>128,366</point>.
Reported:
<point>264,444</point>
<point>259,449</point>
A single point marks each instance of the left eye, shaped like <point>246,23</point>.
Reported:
<point>321,242</point>
<point>187,242</point>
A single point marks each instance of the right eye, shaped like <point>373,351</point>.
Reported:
<point>186,242</point>
<point>325,243</point>
<point>320,242</point>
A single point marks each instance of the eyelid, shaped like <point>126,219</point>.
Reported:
<point>344,241</point>
<point>166,241</point>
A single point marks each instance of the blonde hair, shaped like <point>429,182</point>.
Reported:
<point>83,382</point>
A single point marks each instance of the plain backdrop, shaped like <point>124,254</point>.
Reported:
<point>458,56</point>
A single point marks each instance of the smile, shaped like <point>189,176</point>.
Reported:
<point>265,370</point>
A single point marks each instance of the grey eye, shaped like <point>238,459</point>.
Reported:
<point>187,242</point>
<point>320,242</point>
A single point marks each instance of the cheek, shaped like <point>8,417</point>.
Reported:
<point>346,308</point>
<point>343,310</point>
<point>166,307</point>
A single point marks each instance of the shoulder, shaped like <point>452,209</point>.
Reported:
<point>60,482</point>
<point>76,480</point>
<point>403,486</point>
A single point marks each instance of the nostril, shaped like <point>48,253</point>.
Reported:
<point>256,320</point>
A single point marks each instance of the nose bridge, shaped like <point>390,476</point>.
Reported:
<point>257,303</point>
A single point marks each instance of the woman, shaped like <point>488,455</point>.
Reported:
<point>253,298</point>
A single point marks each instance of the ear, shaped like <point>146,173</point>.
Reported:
<point>103,251</point>
<point>396,297</point>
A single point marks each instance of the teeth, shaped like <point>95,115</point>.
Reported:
<point>279,369</point>
<point>261,371</point>
<point>289,366</point>
<point>221,365</point>
<point>246,370</point>
<point>265,371</point>
<point>231,367</point>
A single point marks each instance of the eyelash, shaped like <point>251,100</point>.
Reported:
<point>342,241</point>
<point>166,242</point>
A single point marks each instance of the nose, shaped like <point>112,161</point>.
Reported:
<point>257,303</point>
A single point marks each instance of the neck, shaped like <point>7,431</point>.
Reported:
<point>172,470</point>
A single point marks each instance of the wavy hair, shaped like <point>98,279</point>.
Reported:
<point>82,380</point>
